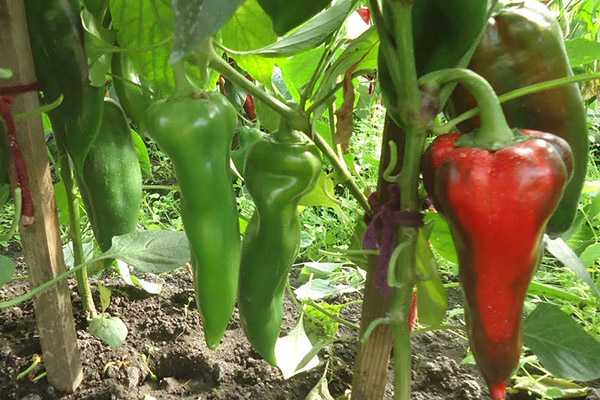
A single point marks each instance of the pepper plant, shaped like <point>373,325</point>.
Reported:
<point>491,183</point>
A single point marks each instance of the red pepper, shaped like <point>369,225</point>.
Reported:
<point>497,203</point>
<point>497,188</point>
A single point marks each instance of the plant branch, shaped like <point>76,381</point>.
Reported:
<point>66,175</point>
<point>515,94</point>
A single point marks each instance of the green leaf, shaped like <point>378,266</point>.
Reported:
<point>5,73</point>
<point>250,28</point>
<point>590,255</point>
<point>321,288</point>
<point>549,386</point>
<point>362,50</point>
<point>197,20</point>
<point>318,270</point>
<point>563,347</point>
<point>320,391</point>
<point>322,195</point>
<point>268,117</point>
<point>432,297</point>
<point>441,238</point>
<point>62,204</point>
<point>105,295</point>
<point>142,23</point>
<point>7,270</point>
<point>99,43</point>
<point>291,349</point>
<point>143,156</point>
<point>319,325</point>
<point>565,255</point>
<point>582,51</point>
<point>151,251</point>
<point>111,330</point>
<point>298,70</point>
<point>310,35</point>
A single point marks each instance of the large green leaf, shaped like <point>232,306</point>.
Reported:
<point>249,29</point>
<point>310,35</point>
<point>563,347</point>
<point>151,251</point>
<point>582,51</point>
<point>147,24</point>
<point>197,20</point>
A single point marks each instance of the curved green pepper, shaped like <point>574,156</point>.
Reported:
<point>134,93</point>
<point>196,133</point>
<point>111,180</point>
<point>56,37</point>
<point>278,172</point>
<point>523,45</point>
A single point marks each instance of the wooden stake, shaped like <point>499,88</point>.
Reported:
<point>371,363</point>
<point>41,242</point>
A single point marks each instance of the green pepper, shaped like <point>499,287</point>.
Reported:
<point>278,172</point>
<point>111,179</point>
<point>196,133</point>
<point>246,137</point>
<point>289,14</point>
<point>56,37</point>
<point>135,94</point>
<point>523,45</point>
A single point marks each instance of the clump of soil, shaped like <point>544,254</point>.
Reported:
<point>165,356</point>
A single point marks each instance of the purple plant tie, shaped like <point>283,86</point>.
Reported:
<point>382,232</point>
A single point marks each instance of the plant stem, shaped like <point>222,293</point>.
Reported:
<point>344,175</point>
<point>47,284</point>
<point>494,131</point>
<point>83,283</point>
<point>515,94</point>
<point>404,76</point>
<point>183,86</point>
<point>287,112</point>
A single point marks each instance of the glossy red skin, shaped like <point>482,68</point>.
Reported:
<point>497,204</point>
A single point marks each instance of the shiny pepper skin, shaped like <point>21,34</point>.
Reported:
<point>277,172</point>
<point>61,64</point>
<point>196,133</point>
<point>523,45</point>
<point>497,204</point>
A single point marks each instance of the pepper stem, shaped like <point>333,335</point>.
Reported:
<point>183,86</point>
<point>494,132</point>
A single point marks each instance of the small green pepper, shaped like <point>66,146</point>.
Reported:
<point>111,180</point>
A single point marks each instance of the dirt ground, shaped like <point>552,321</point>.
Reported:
<point>173,345</point>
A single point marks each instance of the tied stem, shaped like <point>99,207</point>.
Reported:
<point>494,132</point>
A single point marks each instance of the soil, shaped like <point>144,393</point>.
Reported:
<point>172,342</point>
